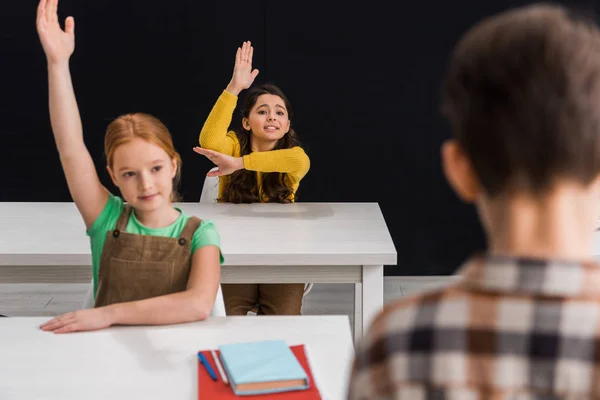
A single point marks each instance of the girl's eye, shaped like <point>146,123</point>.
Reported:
<point>157,168</point>
<point>128,174</point>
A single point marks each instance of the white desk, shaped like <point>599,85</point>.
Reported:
<point>261,243</point>
<point>156,362</point>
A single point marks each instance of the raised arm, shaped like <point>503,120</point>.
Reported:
<point>86,190</point>
<point>213,135</point>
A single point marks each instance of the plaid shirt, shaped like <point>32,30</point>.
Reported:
<point>509,329</point>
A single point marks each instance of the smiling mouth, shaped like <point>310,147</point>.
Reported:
<point>146,198</point>
<point>271,129</point>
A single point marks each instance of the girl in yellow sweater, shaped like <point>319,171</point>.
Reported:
<point>262,161</point>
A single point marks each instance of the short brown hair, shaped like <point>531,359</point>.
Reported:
<point>522,95</point>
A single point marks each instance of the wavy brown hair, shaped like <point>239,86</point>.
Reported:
<point>243,184</point>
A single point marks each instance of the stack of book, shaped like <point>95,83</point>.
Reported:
<point>263,370</point>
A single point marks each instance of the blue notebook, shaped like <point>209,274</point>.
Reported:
<point>262,367</point>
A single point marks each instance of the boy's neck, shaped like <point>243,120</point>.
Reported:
<point>558,226</point>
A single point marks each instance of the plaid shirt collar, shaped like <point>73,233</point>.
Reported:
<point>531,276</point>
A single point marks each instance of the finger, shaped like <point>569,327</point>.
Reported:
<point>51,10</point>
<point>238,55</point>
<point>205,152</point>
<point>48,324</point>
<point>41,22</point>
<point>254,73</point>
<point>74,327</point>
<point>70,26</point>
<point>51,322</point>
<point>250,54</point>
<point>65,317</point>
<point>54,13</point>
<point>51,328</point>
<point>41,10</point>
<point>48,10</point>
<point>211,158</point>
<point>52,325</point>
<point>57,322</point>
<point>214,173</point>
<point>245,52</point>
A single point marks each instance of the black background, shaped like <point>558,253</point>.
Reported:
<point>363,81</point>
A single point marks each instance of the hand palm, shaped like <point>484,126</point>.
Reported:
<point>243,74</point>
<point>58,44</point>
<point>226,164</point>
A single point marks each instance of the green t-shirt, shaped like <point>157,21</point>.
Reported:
<point>205,235</point>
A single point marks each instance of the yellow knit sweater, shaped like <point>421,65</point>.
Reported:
<point>214,136</point>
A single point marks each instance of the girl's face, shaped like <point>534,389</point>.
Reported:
<point>144,173</point>
<point>268,121</point>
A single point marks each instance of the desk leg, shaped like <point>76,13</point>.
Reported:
<point>357,325</point>
<point>372,294</point>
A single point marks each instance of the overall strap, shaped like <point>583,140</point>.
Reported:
<point>124,218</point>
<point>188,230</point>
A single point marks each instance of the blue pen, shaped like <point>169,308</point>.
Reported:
<point>204,362</point>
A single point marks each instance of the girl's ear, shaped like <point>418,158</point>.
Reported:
<point>246,123</point>
<point>174,165</point>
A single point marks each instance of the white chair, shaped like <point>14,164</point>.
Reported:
<point>218,309</point>
<point>210,189</point>
<point>88,302</point>
<point>210,193</point>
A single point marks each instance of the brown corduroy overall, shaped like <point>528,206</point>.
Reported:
<point>136,267</point>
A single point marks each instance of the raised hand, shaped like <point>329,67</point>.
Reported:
<point>58,44</point>
<point>227,164</point>
<point>243,74</point>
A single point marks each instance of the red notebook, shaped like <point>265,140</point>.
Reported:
<point>209,389</point>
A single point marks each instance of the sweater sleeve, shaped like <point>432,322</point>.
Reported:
<point>293,161</point>
<point>214,135</point>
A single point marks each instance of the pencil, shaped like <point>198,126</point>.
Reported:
<point>219,367</point>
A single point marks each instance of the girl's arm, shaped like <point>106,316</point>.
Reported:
<point>214,132</point>
<point>193,304</point>
<point>292,161</point>
<point>86,190</point>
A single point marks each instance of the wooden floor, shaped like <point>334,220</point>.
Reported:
<point>48,299</point>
